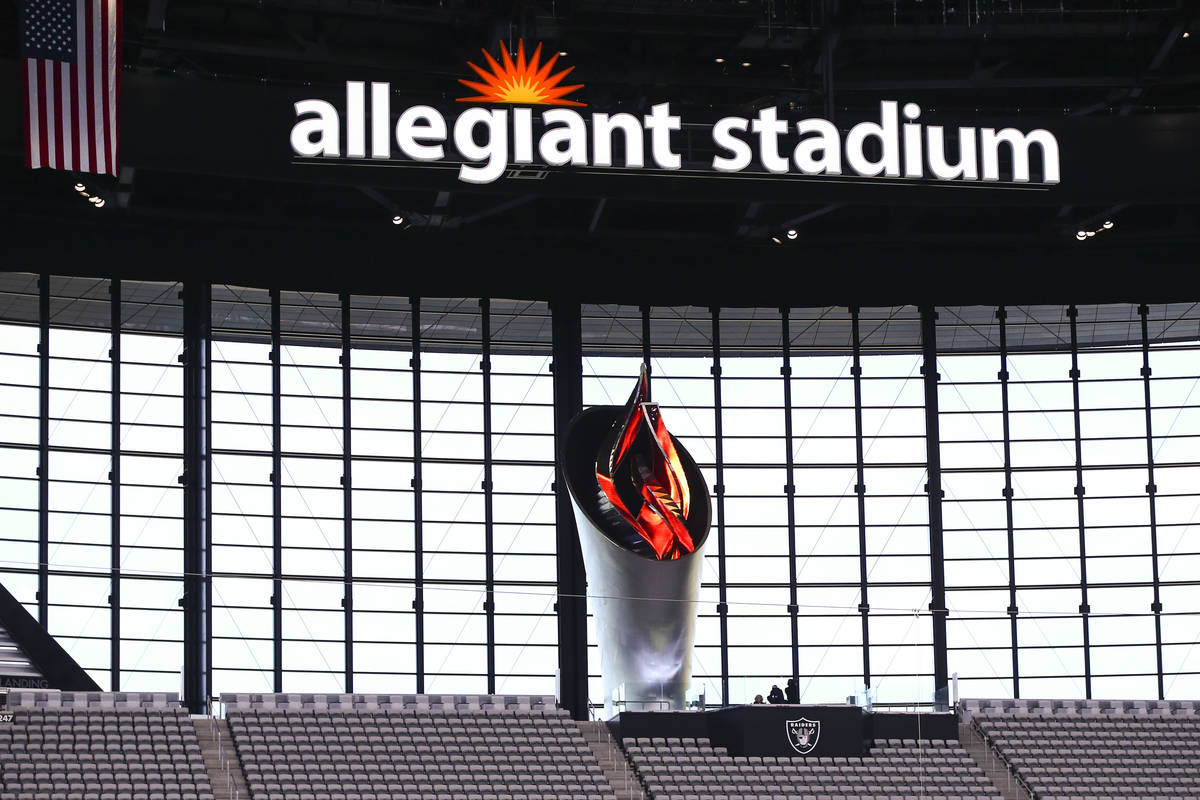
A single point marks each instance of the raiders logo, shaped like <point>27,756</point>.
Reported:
<point>803,734</point>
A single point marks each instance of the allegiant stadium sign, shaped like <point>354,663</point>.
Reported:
<point>488,141</point>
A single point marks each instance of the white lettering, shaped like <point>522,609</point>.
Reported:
<point>495,150</point>
<point>887,133</point>
<point>421,124</point>
<point>936,147</point>
<point>356,114</point>
<point>740,154</point>
<point>660,123</point>
<point>827,142</point>
<point>768,126</point>
<point>602,130</point>
<point>566,144</point>
<point>522,136</point>
<point>325,126</point>
<point>989,145</point>
<point>381,117</point>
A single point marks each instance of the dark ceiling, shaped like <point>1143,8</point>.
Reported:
<point>1072,59</point>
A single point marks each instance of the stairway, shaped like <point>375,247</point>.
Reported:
<point>620,773</point>
<point>221,759</point>
<point>993,767</point>
<point>16,670</point>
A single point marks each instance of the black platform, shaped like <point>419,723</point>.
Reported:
<point>763,730</point>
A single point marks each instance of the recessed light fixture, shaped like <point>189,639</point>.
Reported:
<point>1108,223</point>
<point>1187,35</point>
<point>397,220</point>
<point>719,60</point>
<point>1081,235</point>
<point>745,63</point>
<point>99,201</point>
<point>792,233</point>
<point>79,187</point>
<point>562,52</point>
<point>776,240</point>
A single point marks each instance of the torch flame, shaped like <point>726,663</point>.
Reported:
<point>644,462</point>
<point>527,82</point>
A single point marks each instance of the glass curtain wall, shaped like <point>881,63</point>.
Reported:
<point>383,501</point>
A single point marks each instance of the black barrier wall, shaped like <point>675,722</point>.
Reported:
<point>787,730</point>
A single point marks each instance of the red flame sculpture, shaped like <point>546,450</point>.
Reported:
<point>640,474</point>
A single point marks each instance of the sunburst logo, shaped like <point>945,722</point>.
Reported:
<point>526,82</point>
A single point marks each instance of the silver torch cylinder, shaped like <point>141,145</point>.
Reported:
<point>644,608</point>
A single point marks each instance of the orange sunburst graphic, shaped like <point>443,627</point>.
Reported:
<point>525,82</point>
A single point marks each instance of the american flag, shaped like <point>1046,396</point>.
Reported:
<point>71,56</point>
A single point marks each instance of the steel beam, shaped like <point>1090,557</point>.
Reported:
<point>43,473</point>
<point>197,323</point>
<point>933,490</point>
<point>276,493</point>
<point>347,496</point>
<point>789,488</point>
<point>719,495</point>
<point>418,603</point>
<point>860,493</point>
<point>567,366</point>
<point>114,485</point>
<point>1084,608</point>
<point>1003,376</point>
<point>1151,494</point>
<point>489,539</point>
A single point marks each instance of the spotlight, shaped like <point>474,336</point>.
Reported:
<point>776,240</point>
<point>785,66</point>
<point>1081,235</point>
<point>792,233</point>
<point>1091,233</point>
<point>1108,223</point>
<point>96,199</point>
<point>1187,35</point>
<point>397,220</point>
<point>745,63</point>
<point>562,52</point>
<point>79,187</point>
<point>719,60</point>
<point>99,201</point>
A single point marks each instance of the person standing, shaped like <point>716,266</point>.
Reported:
<point>793,691</point>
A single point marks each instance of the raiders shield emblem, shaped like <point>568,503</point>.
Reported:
<point>803,734</point>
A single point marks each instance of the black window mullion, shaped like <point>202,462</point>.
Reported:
<point>719,491</point>
<point>789,490</point>
<point>347,499</point>
<point>1084,608</point>
<point>646,346</point>
<point>933,490</point>
<point>1151,492</point>
<point>114,479</point>
<point>1001,317</point>
<point>418,542</point>
<point>43,590</point>
<point>489,602</point>
<point>276,493</point>
<point>860,491</point>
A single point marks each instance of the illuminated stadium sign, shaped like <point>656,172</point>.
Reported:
<point>487,141</point>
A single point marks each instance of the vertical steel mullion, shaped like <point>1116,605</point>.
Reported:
<point>645,311</point>
<point>1084,608</point>
<point>276,492</point>
<point>789,489</point>
<point>197,500</point>
<point>114,480</point>
<point>1151,492</point>
<point>571,580</point>
<point>347,499</point>
<point>719,490</point>
<point>860,491</point>
<point>933,490</point>
<point>1002,375</point>
<point>43,590</point>
<point>489,603</point>
<point>418,541</point>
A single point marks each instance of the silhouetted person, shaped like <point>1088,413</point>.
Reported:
<point>758,701</point>
<point>793,691</point>
<point>776,695</point>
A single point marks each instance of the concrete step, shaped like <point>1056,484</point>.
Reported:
<point>996,770</point>
<point>622,778</point>
<point>221,759</point>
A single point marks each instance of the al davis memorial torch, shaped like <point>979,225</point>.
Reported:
<point>642,510</point>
